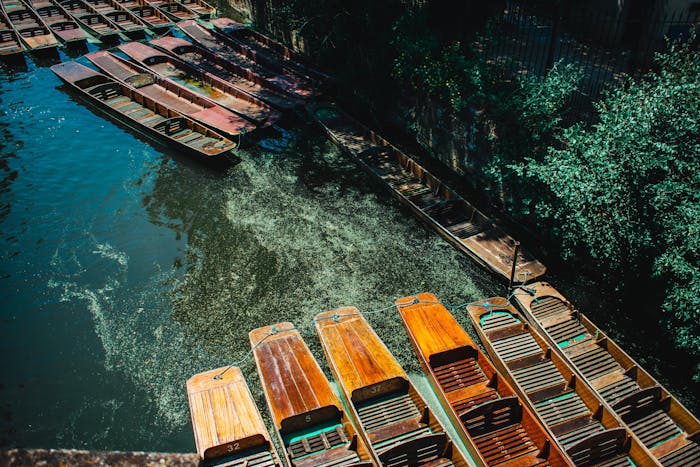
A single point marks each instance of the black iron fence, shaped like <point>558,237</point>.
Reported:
<point>602,45</point>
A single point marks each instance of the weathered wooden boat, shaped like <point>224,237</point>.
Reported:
<point>584,427</point>
<point>216,66</point>
<point>460,223</point>
<point>177,96</point>
<point>122,17</point>
<point>309,418</point>
<point>200,7</point>
<point>209,86</point>
<point>263,46</point>
<point>61,24</point>
<point>92,21</point>
<point>228,429</point>
<point>9,39</point>
<point>392,417</point>
<point>153,119</point>
<point>262,69</point>
<point>173,10</point>
<point>487,413</point>
<point>656,418</point>
<point>151,16</point>
<point>31,30</point>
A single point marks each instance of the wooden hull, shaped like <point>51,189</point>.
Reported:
<point>63,26</point>
<point>472,391</point>
<point>310,421</point>
<point>226,423</point>
<point>90,20</point>
<point>237,76</point>
<point>200,7</point>
<point>9,40</point>
<point>28,25</point>
<point>208,86</point>
<point>137,111</point>
<point>653,416</point>
<point>264,71</point>
<point>264,47</point>
<point>178,97</point>
<point>590,433</point>
<point>391,415</point>
<point>460,223</point>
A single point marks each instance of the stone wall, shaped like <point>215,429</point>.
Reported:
<point>63,457</point>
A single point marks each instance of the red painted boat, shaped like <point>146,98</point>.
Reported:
<point>117,14</point>
<point>240,77</point>
<point>175,95</point>
<point>263,46</point>
<point>271,71</point>
<point>90,20</point>
<point>31,30</point>
<point>155,19</point>
<point>154,120</point>
<point>59,21</point>
<point>209,86</point>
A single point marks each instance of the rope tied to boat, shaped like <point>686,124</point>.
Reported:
<point>273,330</point>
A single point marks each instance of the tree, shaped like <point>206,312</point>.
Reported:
<point>628,190</point>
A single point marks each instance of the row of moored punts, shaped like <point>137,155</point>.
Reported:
<point>536,404</point>
<point>211,85</point>
<point>36,25</point>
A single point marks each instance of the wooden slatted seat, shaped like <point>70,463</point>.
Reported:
<point>497,320</point>
<point>689,454</point>
<point>621,388</point>
<point>559,409</point>
<point>604,449</point>
<point>517,346</point>
<point>643,413</point>
<point>566,330</point>
<point>387,411</point>
<point>543,307</point>
<point>589,428</point>
<point>504,444</point>
<point>595,363</point>
<point>459,374</point>
<point>417,451</point>
<point>538,376</point>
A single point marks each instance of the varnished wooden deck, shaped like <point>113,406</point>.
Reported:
<point>589,432</point>
<point>393,418</point>
<point>226,422</point>
<point>309,418</point>
<point>655,418</point>
<point>481,405</point>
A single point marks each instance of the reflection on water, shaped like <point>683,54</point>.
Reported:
<point>125,271</point>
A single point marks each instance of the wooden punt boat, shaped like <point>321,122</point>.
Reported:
<point>61,24</point>
<point>31,30</point>
<point>122,17</point>
<point>263,70</point>
<point>90,20</point>
<point>141,113</point>
<point>449,214</point>
<point>656,418</point>
<point>240,77</point>
<point>483,407</point>
<point>392,417</point>
<point>263,46</point>
<point>200,7</point>
<point>9,40</point>
<point>586,429</point>
<point>176,96</point>
<point>212,88</point>
<point>151,16</point>
<point>309,418</point>
<point>228,429</point>
<point>173,10</point>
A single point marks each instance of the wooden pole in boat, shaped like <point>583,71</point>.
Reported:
<point>516,250</point>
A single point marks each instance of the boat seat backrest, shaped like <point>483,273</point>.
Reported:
<point>638,404</point>
<point>305,420</point>
<point>155,60</point>
<point>184,49</point>
<point>105,91</point>
<point>396,385</point>
<point>255,443</point>
<point>492,416</point>
<point>417,451</point>
<point>7,36</point>
<point>171,126</point>
<point>453,355</point>
<point>33,32</point>
<point>598,447</point>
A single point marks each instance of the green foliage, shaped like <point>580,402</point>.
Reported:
<point>628,190</point>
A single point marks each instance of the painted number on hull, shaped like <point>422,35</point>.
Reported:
<point>307,419</point>
<point>234,447</point>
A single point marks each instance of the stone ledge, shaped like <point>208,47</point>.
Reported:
<point>66,457</point>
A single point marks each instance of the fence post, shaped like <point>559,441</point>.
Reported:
<point>554,38</point>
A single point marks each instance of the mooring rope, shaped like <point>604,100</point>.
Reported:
<point>414,301</point>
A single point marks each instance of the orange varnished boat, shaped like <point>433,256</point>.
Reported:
<point>455,219</point>
<point>483,407</point>
<point>309,419</point>
<point>656,418</point>
<point>589,432</point>
<point>393,418</point>
<point>228,429</point>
